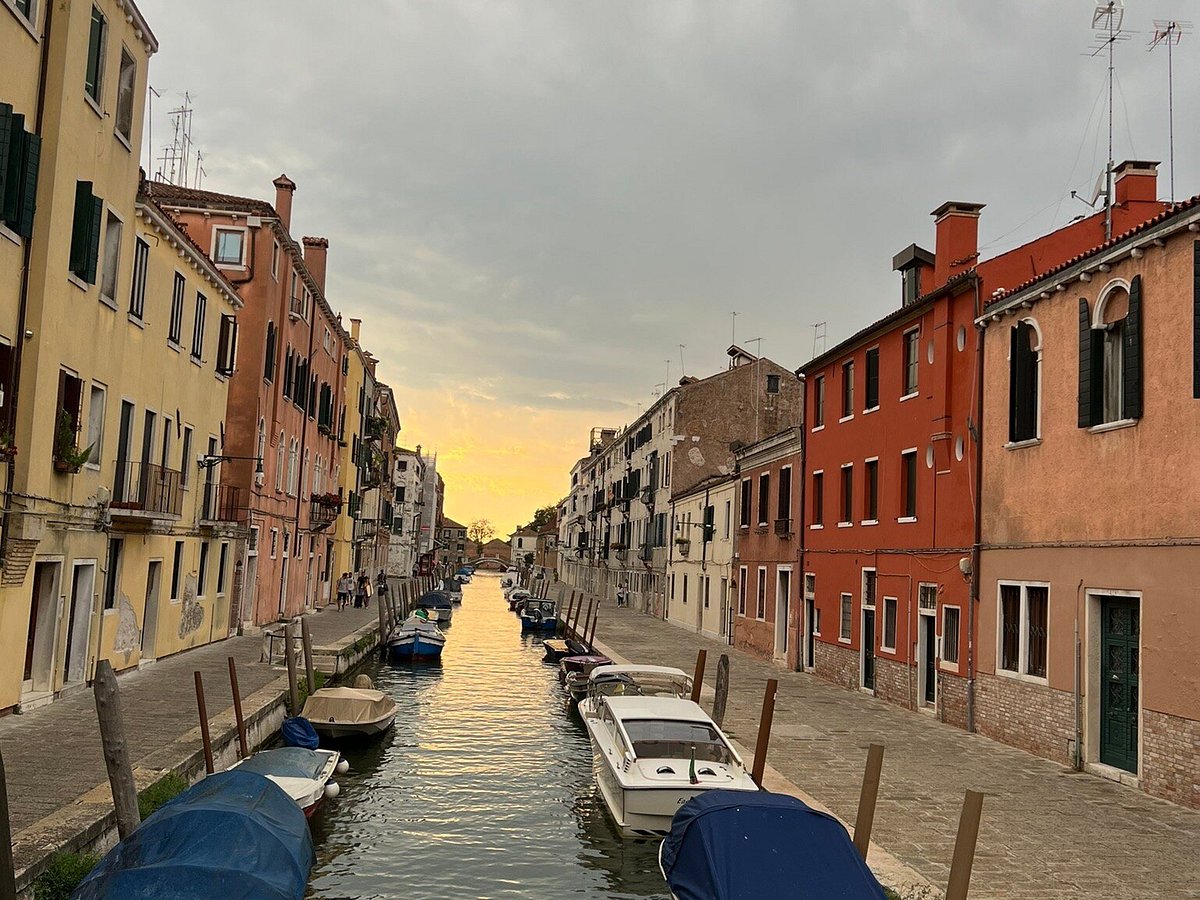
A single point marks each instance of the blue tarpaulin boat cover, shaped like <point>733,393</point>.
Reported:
<point>298,732</point>
<point>734,845</point>
<point>232,836</point>
<point>435,600</point>
<point>286,762</point>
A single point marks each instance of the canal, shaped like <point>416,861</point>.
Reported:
<point>482,789</point>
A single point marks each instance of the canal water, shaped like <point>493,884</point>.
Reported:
<point>482,789</point>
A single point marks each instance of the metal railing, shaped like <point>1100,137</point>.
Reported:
<point>147,488</point>
<point>221,503</point>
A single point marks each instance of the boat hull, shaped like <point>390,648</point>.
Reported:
<point>550,625</point>
<point>415,648</point>
<point>336,730</point>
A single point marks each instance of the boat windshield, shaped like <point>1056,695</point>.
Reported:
<point>658,739</point>
<point>642,684</point>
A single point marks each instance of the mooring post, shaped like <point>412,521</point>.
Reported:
<point>764,731</point>
<point>698,678</point>
<point>574,623</point>
<point>382,610</point>
<point>293,690</point>
<point>588,619</point>
<point>722,690</point>
<point>591,641</point>
<point>8,880</point>
<point>866,800</point>
<point>116,751</point>
<point>237,709</point>
<point>964,847</point>
<point>306,640</point>
<point>205,737</point>
<point>568,623</point>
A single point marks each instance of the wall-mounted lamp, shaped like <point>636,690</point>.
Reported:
<point>207,462</point>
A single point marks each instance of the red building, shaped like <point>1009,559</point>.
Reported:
<point>892,468</point>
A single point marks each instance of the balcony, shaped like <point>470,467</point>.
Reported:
<point>622,554</point>
<point>221,504</point>
<point>145,492</point>
<point>296,308</point>
<point>323,510</point>
<point>783,527</point>
<point>683,546</point>
<point>376,428</point>
<point>365,530</point>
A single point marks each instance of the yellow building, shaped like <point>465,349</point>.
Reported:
<point>121,341</point>
<point>358,375</point>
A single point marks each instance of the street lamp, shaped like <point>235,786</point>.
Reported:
<point>209,460</point>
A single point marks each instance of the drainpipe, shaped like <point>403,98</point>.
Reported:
<point>1077,756</point>
<point>800,645</point>
<point>977,502</point>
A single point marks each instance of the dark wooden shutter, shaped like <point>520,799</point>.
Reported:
<point>6,131</point>
<point>80,226</point>
<point>223,345</point>
<point>28,187</point>
<point>1014,347</point>
<point>1022,385</point>
<point>1196,320</point>
<point>93,247</point>
<point>1087,402</point>
<point>1131,350</point>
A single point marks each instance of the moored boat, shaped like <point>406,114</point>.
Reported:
<point>517,599</point>
<point>304,775</point>
<point>633,681</point>
<point>338,712</point>
<point>416,639</point>
<point>453,588</point>
<point>438,606</point>
<point>539,615</point>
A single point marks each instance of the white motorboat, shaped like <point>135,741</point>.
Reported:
<point>650,755</point>
<point>417,638</point>
<point>338,712</point>
<point>452,587</point>
<point>304,775</point>
<point>633,681</point>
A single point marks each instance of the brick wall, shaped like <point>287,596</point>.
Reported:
<point>1033,717</point>
<point>952,699</point>
<point>837,664</point>
<point>895,682</point>
<point>1171,758</point>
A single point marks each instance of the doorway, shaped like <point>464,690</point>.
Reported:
<point>43,616</point>
<point>783,594</point>
<point>1120,637</point>
<point>868,648</point>
<point>79,622</point>
<point>150,616</point>
<point>927,660</point>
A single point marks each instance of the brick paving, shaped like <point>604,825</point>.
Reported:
<point>1047,832</point>
<point>52,755</point>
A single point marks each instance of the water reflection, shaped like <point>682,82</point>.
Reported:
<point>482,789</point>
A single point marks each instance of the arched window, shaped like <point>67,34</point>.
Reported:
<point>305,474</point>
<point>1024,381</point>
<point>279,463</point>
<point>293,461</point>
<point>262,441</point>
<point>1110,355</point>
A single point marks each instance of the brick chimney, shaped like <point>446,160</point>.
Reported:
<point>355,327</point>
<point>315,251</point>
<point>284,188</point>
<point>1136,179</point>
<point>957,239</point>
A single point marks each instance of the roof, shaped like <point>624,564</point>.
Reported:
<point>165,192</point>
<point>706,484</point>
<point>670,709</point>
<point>910,255</point>
<point>201,260</point>
<point>450,523</point>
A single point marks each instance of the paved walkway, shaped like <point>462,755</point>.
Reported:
<point>1047,831</point>
<point>52,755</point>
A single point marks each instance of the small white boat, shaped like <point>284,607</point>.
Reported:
<point>337,712</point>
<point>650,755</point>
<point>417,638</point>
<point>633,681</point>
<point>453,588</point>
<point>304,775</point>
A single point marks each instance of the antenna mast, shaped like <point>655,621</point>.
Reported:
<point>1169,32</point>
<point>818,338</point>
<point>1106,23</point>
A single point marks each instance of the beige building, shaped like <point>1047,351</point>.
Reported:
<point>699,579</point>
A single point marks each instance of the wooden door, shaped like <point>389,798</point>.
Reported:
<point>1119,669</point>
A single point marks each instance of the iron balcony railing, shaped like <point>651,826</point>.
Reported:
<point>221,503</point>
<point>147,488</point>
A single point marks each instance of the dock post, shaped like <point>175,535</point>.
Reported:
<point>764,731</point>
<point>577,607</point>
<point>722,696</point>
<point>591,641</point>
<point>306,641</point>
<point>381,609</point>
<point>116,751</point>
<point>290,656</point>
<point>964,847</point>
<point>8,882</point>
<point>587,620</point>
<point>567,623</point>
<point>866,801</point>
<point>237,709</point>
<point>205,737</point>
<point>698,678</point>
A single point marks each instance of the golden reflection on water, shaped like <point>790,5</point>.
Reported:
<point>482,789</point>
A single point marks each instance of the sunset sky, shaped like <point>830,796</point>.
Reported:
<point>531,205</point>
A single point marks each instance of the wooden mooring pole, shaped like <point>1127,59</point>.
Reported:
<point>591,641</point>
<point>8,881</point>
<point>964,847</point>
<point>722,691</point>
<point>237,709</point>
<point>866,799</point>
<point>293,690</point>
<point>306,641</point>
<point>588,619</point>
<point>116,751</point>
<point>764,731</point>
<point>698,678</point>
<point>205,737</point>
<point>573,617</point>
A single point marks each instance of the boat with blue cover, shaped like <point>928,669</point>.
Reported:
<point>539,615</point>
<point>304,775</point>
<point>735,845</point>
<point>438,605</point>
<point>232,836</point>
<point>417,639</point>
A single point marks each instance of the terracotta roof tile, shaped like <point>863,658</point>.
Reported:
<point>166,193</point>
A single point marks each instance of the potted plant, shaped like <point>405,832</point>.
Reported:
<point>68,458</point>
<point>8,445</point>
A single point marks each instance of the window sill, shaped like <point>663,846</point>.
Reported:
<point>869,522</point>
<point>845,418</point>
<point>136,320</point>
<point>124,141</point>
<point>1112,426</point>
<point>910,396</point>
<point>74,279</point>
<point>10,235</point>
<point>108,301</point>
<point>875,408</point>
<point>948,668</point>
<point>815,527</point>
<point>1021,445</point>
<point>845,524</point>
<point>197,362</point>
<point>178,348</point>
<point>238,266</point>
<point>1017,676</point>
<point>87,98</point>
<point>906,520</point>
<point>843,640</point>
<point>818,428</point>
<point>884,648</point>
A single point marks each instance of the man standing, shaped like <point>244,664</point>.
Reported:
<point>345,586</point>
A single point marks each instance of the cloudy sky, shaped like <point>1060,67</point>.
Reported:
<point>533,204</point>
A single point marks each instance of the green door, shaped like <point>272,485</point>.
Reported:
<point>1119,682</point>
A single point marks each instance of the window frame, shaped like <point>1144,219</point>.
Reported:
<point>198,325</point>
<point>817,511</point>
<point>94,94</point>
<point>890,608</point>
<point>870,491</point>
<point>137,281</point>
<point>818,403</point>
<point>871,364</point>
<point>845,617</point>
<point>760,595</point>
<point>764,499</point>
<point>244,235</point>
<point>1021,673</point>
<point>111,268</point>
<point>743,574</point>
<point>910,368</point>
<point>126,97</point>
<point>1035,398</point>
<point>847,391</point>
<point>950,665</point>
<point>178,299</point>
<point>908,485</point>
<point>96,442</point>
<point>846,495</point>
<point>745,513</point>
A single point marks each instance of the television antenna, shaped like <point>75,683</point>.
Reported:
<point>733,329</point>
<point>1107,19</point>
<point>818,338</point>
<point>682,367</point>
<point>1168,32</point>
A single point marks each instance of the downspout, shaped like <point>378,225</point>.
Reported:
<point>977,500</point>
<point>23,302</point>
<point>1077,756</point>
<point>801,647</point>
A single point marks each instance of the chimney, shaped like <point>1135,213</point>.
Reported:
<point>284,188</point>
<point>957,239</point>
<point>315,251</point>
<point>355,325</point>
<point>1136,179</point>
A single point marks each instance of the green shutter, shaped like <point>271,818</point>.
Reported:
<point>5,145</point>
<point>94,240</point>
<point>80,227</point>
<point>1014,347</point>
<point>1086,404</point>
<point>33,157</point>
<point>1131,350</point>
<point>12,162</point>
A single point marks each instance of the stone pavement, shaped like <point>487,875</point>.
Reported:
<point>1047,832</point>
<point>52,755</point>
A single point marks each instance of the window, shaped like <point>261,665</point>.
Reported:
<point>772,384</point>
<point>198,327</point>
<point>889,623</point>
<point>818,499</point>
<point>164,458</point>
<point>685,589</point>
<point>95,436</point>
<point>1023,626</point>
<point>112,572</point>
<point>279,464</point>
<point>764,498</point>
<point>112,257</point>
<point>202,574</point>
<point>710,514</point>
<point>728,516</point>
<point>137,289</point>
<point>293,472</point>
<point>227,344</point>
<point>269,357</point>
<point>912,352</point>
<point>847,506</point>
<point>847,389</point>
<point>707,584</point>
<point>1110,356</point>
<point>743,574</point>
<point>872,400</point>
<point>70,403</point>
<point>908,484</point>
<point>186,463</point>
<point>950,635</point>
<point>871,492</point>
<point>783,509</point>
<point>847,612</point>
<point>230,244</point>
<point>20,156</point>
<point>25,8</point>
<point>275,261</point>
<point>94,73</point>
<point>222,559</point>
<point>175,330</point>
<point>274,542</point>
<point>85,232</point>
<point>869,581</point>
<point>177,571</point>
<point>745,521</point>
<point>910,285</point>
<point>126,83</point>
<point>760,608</point>
<point>1024,365</point>
<point>819,402</point>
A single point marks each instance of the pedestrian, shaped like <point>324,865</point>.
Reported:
<point>383,588</point>
<point>367,590</point>
<point>344,588</point>
<point>360,595</point>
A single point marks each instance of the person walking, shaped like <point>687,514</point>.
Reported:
<point>360,594</point>
<point>344,588</point>
<point>382,588</point>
